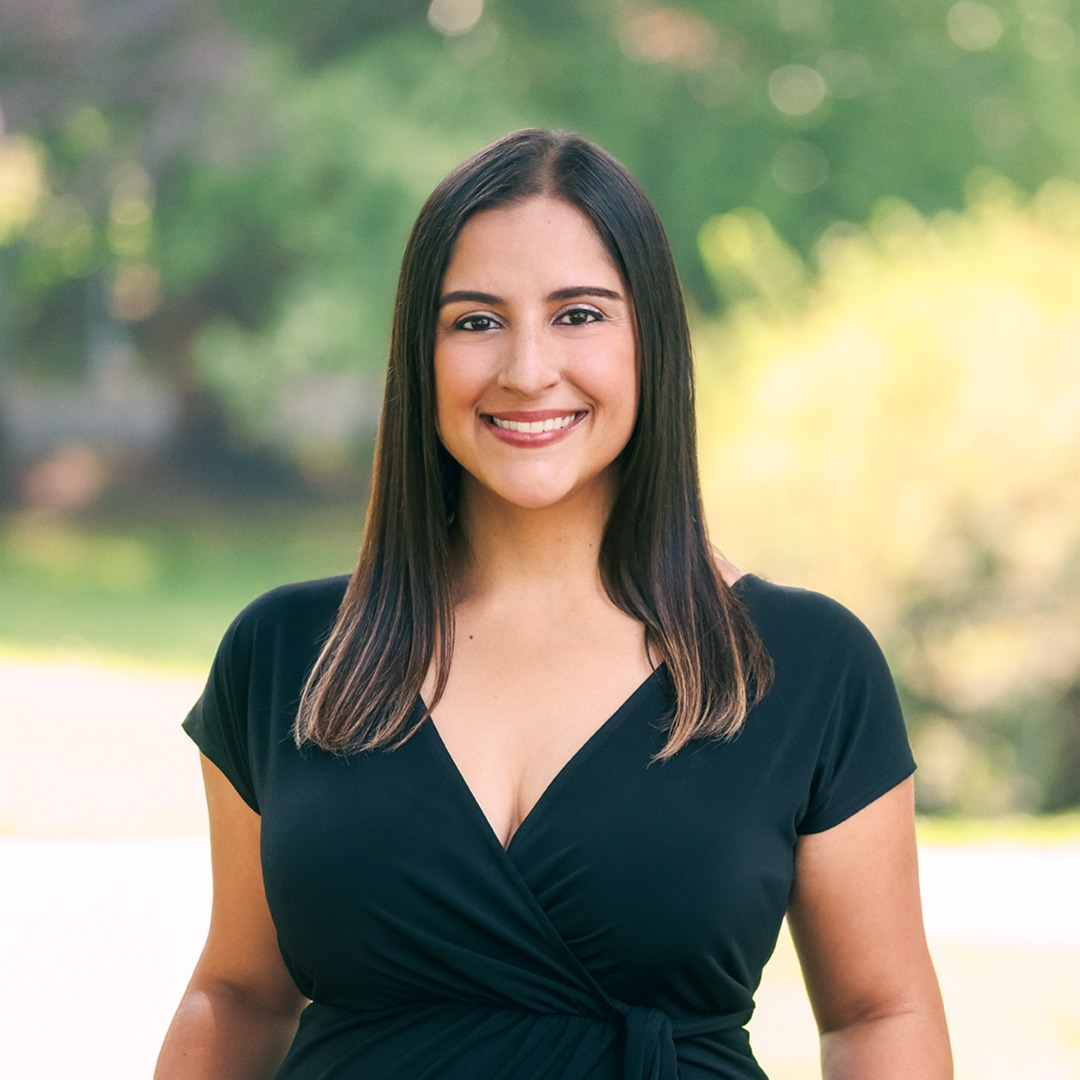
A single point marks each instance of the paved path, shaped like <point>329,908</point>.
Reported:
<point>98,936</point>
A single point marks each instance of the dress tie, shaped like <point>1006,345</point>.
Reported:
<point>650,1039</point>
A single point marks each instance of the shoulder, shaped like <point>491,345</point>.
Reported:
<point>246,710</point>
<point>302,600</point>
<point>811,637</point>
<point>301,612</point>
<point>833,702</point>
<point>785,611</point>
<point>271,645</point>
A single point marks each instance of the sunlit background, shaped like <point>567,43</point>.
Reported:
<point>875,208</point>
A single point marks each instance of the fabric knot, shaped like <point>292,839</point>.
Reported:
<point>650,1052</point>
<point>650,1046</point>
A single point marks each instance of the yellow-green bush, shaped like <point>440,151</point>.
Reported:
<point>902,429</point>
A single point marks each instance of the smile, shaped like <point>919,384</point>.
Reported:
<point>535,427</point>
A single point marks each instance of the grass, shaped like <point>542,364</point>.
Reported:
<point>1045,830</point>
<point>157,589</point>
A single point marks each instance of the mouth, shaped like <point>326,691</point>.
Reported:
<point>538,426</point>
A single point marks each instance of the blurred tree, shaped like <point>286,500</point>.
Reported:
<point>233,182</point>
<point>109,97</point>
<point>336,28</point>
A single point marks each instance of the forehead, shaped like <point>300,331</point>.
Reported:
<point>538,237</point>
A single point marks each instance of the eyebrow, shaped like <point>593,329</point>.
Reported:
<point>571,292</point>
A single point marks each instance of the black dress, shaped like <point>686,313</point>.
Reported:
<point>623,932</point>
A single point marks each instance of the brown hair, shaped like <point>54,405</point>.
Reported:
<point>655,559</point>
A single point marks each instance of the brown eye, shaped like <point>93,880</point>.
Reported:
<point>579,316</point>
<point>476,323</point>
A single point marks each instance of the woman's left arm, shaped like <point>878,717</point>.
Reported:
<point>856,919</point>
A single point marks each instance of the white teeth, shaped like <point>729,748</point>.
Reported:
<point>536,426</point>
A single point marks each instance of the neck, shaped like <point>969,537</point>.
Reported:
<point>550,552</point>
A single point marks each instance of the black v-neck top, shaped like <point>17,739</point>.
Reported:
<point>622,932</point>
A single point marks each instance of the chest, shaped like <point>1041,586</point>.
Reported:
<point>653,875</point>
<point>517,709</point>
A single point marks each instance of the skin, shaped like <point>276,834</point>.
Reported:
<point>240,1009</point>
<point>856,919</point>
<point>536,323</point>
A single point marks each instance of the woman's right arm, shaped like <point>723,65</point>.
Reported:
<point>240,1010</point>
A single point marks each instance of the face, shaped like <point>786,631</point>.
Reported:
<point>535,357</point>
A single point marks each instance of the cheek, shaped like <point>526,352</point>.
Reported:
<point>456,390</point>
<point>445,389</point>
<point>622,386</point>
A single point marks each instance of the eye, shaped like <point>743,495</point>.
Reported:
<point>578,316</point>
<point>476,323</point>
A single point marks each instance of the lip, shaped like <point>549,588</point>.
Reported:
<point>533,416</point>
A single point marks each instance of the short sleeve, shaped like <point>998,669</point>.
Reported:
<point>218,722</point>
<point>864,750</point>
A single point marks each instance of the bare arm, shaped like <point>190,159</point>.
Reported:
<point>856,919</point>
<point>239,1012</point>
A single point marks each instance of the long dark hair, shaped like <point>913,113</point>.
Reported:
<point>656,562</point>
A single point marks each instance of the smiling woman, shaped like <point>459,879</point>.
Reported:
<point>529,796</point>
<point>644,551</point>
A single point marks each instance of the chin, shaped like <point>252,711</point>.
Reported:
<point>535,500</point>
<point>539,490</point>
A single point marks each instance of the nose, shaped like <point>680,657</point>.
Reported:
<point>529,365</point>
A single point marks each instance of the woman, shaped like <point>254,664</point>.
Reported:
<point>574,859</point>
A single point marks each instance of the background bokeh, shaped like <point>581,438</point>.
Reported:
<point>875,209</point>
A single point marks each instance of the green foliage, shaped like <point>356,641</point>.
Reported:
<point>334,29</point>
<point>904,432</point>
